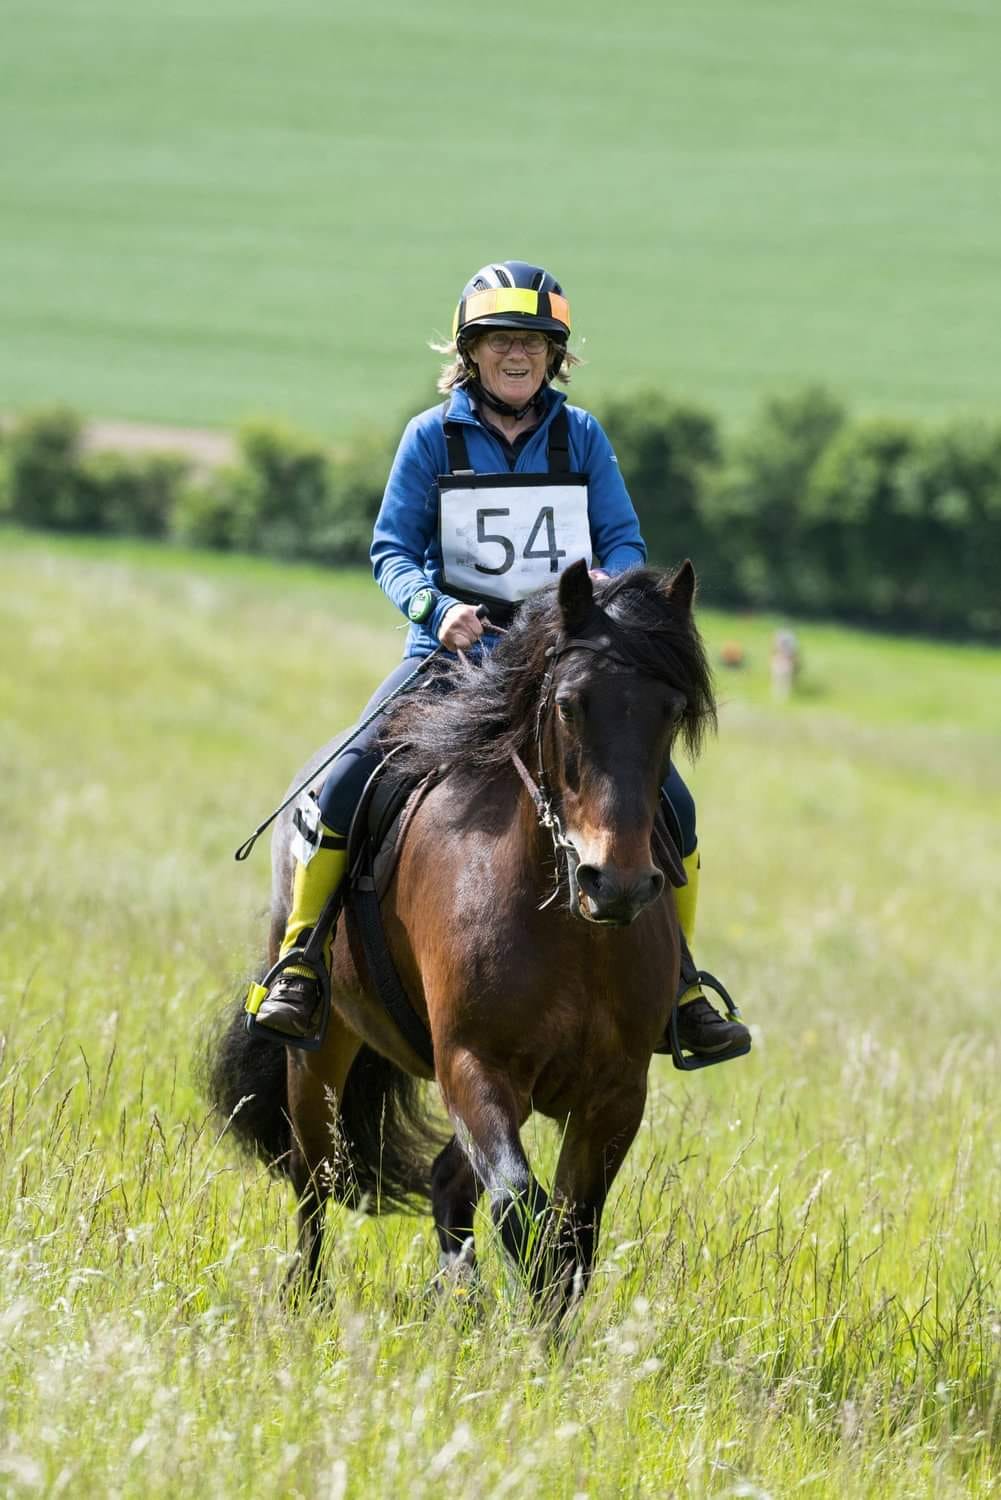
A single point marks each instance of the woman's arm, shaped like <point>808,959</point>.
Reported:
<point>615,528</point>
<point>406,524</point>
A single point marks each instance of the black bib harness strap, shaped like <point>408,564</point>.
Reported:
<point>557,446</point>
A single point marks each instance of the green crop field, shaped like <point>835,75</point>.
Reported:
<point>216,210</point>
<point>800,1285</point>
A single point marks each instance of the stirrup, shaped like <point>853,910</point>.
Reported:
<point>298,958</point>
<point>688,1062</point>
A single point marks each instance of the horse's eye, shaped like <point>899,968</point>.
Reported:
<point>566,709</point>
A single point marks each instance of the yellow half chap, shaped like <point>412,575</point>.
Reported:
<point>312,887</point>
<point>686,899</point>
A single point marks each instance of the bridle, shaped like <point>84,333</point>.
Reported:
<point>539,788</point>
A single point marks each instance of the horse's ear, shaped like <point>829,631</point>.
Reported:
<point>576,596</point>
<point>681,589</point>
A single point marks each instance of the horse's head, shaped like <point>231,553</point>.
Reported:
<point>592,689</point>
<point>627,676</point>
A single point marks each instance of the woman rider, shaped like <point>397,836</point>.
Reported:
<point>464,521</point>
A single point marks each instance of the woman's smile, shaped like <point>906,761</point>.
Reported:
<point>516,375</point>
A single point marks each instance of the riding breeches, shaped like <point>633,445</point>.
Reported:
<point>344,785</point>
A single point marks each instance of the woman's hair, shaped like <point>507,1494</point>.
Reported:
<point>455,372</point>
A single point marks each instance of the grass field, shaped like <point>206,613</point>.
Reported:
<point>246,207</point>
<point>800,1282</point>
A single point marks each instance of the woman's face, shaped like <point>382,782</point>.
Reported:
<point>507,369</point>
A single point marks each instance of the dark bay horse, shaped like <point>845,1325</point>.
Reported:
<point>529,923</point>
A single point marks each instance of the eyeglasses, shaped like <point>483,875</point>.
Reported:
<point>503,343</point>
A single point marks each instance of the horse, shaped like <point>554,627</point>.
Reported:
<point>528,920</point>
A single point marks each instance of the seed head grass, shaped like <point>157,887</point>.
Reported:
<point>798,1285</point>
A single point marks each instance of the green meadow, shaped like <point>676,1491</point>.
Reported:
<point>799,1291</point>
<point>245,207</point>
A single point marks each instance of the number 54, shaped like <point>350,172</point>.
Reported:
<point>545,518</point>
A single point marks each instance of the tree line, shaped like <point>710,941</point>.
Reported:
<point>808,509</point>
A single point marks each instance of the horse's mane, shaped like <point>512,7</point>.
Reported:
<point>491,708</point>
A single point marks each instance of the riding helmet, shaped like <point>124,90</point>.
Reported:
<point>512,294</point>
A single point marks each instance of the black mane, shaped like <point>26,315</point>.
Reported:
<point>492,707</point>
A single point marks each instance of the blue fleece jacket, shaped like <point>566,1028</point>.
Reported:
<point>405,551</point>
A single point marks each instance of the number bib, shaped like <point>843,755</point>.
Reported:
<point>503,536</point>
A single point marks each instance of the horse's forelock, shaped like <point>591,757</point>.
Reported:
<point>660,638</point>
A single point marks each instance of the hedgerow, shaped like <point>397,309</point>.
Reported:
<point>808,510</point>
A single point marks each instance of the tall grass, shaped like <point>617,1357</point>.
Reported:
<point>799,1284</point>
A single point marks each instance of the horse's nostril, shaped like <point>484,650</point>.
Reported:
<point>608,897</point>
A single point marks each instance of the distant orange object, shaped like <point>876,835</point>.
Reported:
<point>731,654</point>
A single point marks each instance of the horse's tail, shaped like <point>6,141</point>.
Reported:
<point>246,1082</point>
<point>388,1135</point>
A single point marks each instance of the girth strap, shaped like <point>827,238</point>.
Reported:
<point>557,446</point>
<point>363,908</point>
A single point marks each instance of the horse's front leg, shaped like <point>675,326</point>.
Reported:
<point>594,1148</point>
<point>488,1115</point>
<point>318,1162</point>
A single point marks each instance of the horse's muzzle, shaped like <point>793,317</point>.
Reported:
<point>602,894</point>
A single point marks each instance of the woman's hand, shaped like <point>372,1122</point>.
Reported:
<point>460,627</point>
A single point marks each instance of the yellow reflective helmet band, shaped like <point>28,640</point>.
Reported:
<point>500,299</point>
<point>496,300</point>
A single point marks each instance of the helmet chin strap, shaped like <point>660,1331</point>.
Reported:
<point>481,393</point>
